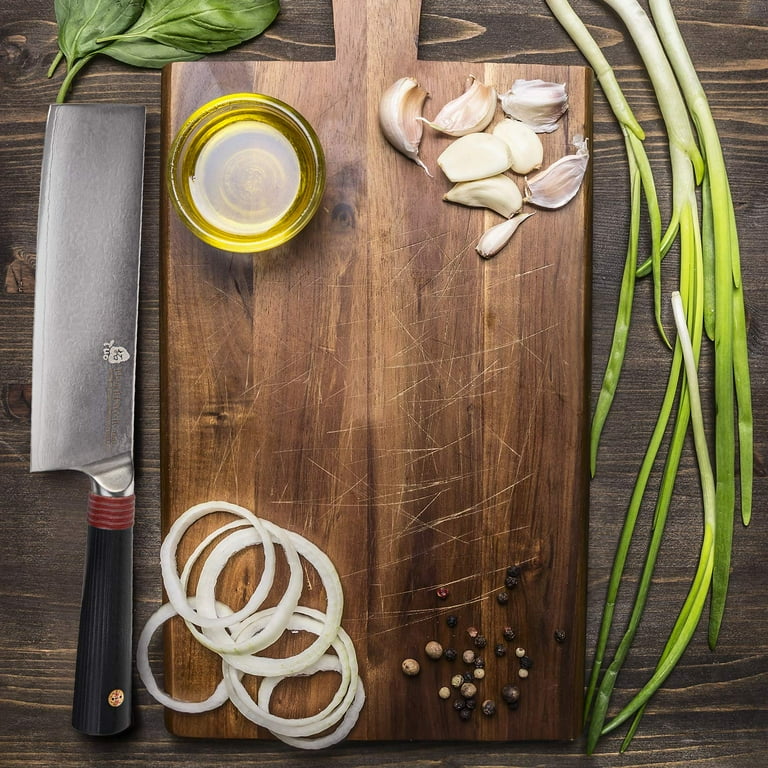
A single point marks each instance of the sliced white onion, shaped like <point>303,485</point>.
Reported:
<point>266,666</point>
<point>238,636</point>
<point>326,663</point>
<point>174,588</point>
<point>155,621</point>
<point>346,665</point>
<point>218,639</point>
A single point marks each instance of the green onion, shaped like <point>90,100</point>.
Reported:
<point>710,295</point>
<point>689,616</point>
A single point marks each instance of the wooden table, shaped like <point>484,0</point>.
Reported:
<point>712,709</point>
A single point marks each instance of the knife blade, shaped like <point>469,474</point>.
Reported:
<point>83,372</point>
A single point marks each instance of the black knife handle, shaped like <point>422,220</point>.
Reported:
<point>102,696</point>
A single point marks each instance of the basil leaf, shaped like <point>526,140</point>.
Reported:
<point>201,26</point>
<point>83,22</point>
<point>147,53</point>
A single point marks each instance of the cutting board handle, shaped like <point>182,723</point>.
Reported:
<point>387,30</point>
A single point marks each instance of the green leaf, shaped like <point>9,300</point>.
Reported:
<point>147,53</point>
<point>200,26</point>
<point>83,22</point>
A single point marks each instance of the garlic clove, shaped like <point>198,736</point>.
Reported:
<point>498,193</point>
<point>524,144</point>
<point>474,156</point>
<point>399,109</point>
<point>559,183</point>
<point>495,238</point>
<point>468,113</point>
<point>536,103</point>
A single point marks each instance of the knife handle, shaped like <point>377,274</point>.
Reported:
<point>102,696</point>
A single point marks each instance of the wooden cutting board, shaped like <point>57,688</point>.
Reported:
<point>415,411</point>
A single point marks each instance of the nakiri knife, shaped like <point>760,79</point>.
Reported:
<point>83,372</point>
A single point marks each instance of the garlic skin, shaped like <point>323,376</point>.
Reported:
<point>524,144</point>
<point>537,103</point>
<point>399,112</point>
<point>469,113</point>
<point>475,156</point>
<point>558,184</point>
<point>498,193</point>
<point>495,238</point>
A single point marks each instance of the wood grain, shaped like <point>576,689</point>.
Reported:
<point>417,412</point>
<point>712,710</point>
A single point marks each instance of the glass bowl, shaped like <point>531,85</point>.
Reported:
<point>246,172</point>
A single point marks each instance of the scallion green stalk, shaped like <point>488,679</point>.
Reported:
<point>710,297</point>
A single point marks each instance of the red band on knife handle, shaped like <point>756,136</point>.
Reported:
<point>111,513</point>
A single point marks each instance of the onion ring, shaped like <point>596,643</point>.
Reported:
<point>237,636</point>
<point>266,666</point>
<point>308,620</point>
<point>155,621</point>
<point>176,591</point>
<point>218,639</point>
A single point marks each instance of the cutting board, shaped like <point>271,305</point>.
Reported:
<point>417,412</point>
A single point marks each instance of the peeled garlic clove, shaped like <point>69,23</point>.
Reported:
<point>499,235</point>
<point>558,184</point>
<point>498,193</point>
<point>474,156</point>
<point>468,113</point>
<point>399,112</point>
<point>536,103</point>
<point>524,144</point>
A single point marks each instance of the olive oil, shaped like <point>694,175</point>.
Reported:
<point>245,178</point>
<point>246,172</point>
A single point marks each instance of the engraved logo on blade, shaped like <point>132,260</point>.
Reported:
<point>114,355</point>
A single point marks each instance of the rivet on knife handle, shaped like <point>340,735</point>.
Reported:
<point>102,697</point>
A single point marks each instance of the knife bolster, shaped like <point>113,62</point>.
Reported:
<point>112,476</point>
<point>102,696</point>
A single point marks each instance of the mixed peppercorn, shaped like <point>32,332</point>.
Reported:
<point>464,686</point>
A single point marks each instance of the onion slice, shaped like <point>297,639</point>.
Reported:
<point>238,636</point>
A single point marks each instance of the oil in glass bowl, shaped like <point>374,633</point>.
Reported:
<point>246,173</point>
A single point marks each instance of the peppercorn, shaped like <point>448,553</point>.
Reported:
<point>510,693</point>
<point>468,677</point>
<point>511,582</point>
<point>502,598</point>
<point>480,641</point>
<point>457,680</point>
<point>509,633</point>
<point>433,649</point>
<point>472,632</point>
<point>442,593</point>
<point>411,667</point>
<point>468,690</point>
<point>514,570</point>
<point>519,652</point>
<point>470,703</point>
<point>489,707</point>
<point>444,692</point>
<point>458,704</point>
<point>465,713</point>
<point>479,673</point>
<point>526,662</point>
<point>560,635</point>
<point>500,650</point>
<point>468,656</point>
<point>522,672</point>
<point>479,662</point>
<point>450,654</point>
<point>452,621</point>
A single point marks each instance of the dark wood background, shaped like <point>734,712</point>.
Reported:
<point>712,710</point>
